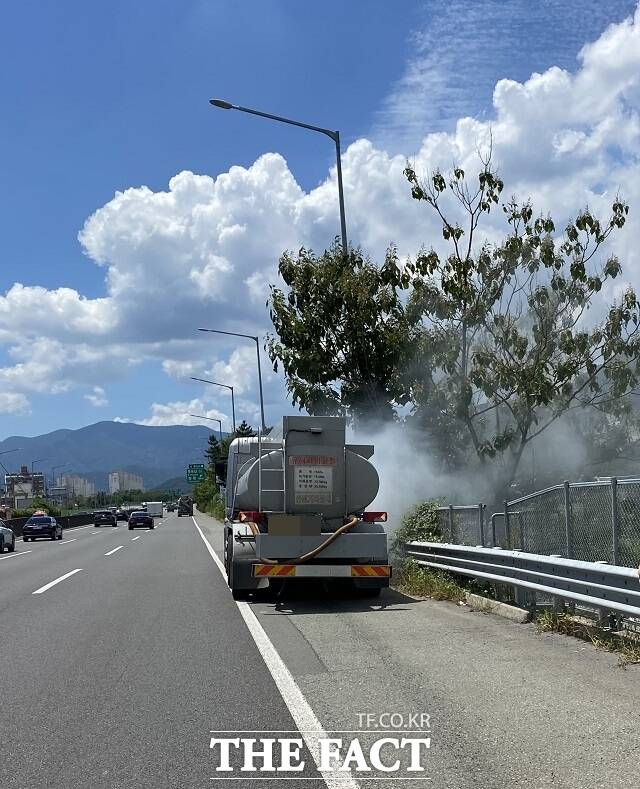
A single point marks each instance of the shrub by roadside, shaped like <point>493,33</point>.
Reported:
<point>207,499</point>
<point>38,504</point>
<point>420,523</point>
<point>215,507</point>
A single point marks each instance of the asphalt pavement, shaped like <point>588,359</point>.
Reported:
<point>121,651</point>
<point>116,676</point>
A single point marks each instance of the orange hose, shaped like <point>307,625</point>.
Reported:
<point>306,556</point>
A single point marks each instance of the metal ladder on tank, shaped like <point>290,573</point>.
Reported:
<point>262,470</point>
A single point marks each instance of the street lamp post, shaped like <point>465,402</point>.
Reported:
<point>53,471</point>
<point>211,419</point>
<point>257,342</point>
<point>334,135</point>
<point>226,386</point>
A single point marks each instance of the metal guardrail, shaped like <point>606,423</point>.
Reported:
<point>592,584</point>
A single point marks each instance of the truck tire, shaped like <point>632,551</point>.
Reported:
<point>236,592</point>
<point>228,557</point>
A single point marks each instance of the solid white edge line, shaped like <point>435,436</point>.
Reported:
<point>13,555</point>
<point>305,718</point>
<point>108,553</point>
<point>57,581</point>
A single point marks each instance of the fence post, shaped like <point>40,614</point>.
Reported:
<point>507,526</point>
<point>614,520</point>
<point>567,520</point>
<point>451,523</point>
<point>481,523</point>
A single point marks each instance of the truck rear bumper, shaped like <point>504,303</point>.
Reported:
<point>369,545</point>
<point>377,571</point>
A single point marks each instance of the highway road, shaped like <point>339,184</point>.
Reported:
<point>116,675</point>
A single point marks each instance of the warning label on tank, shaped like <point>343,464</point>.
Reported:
<point>312,460</point>
<point>313,484</point>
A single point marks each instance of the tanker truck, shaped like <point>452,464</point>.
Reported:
<point>295,505</point>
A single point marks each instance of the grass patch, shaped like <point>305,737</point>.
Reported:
<point>416,580</point>
<point>626,647</point>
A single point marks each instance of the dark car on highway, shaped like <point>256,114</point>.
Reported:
<point>140,519</point>
<point>122,514</point>
<point>104,518</point>
<point>41,526</point>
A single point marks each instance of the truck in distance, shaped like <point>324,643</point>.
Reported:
<point>154,508</point>
<point>185,506</point>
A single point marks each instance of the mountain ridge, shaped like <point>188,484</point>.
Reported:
<point>157,453</point>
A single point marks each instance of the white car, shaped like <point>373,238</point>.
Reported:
<point>7,538</point>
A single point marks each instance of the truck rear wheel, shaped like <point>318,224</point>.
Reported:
<point>236,592</point>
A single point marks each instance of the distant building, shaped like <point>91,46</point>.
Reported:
<point>123,480</point>
<point>59,495</point>
<point>24,485</point>
<point>76,486</point>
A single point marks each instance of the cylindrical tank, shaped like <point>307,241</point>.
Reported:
<point>358,490</point>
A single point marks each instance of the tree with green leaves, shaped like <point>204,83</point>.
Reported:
<point>342,334</point>
<point>213,451</point>
<point>511,351</point>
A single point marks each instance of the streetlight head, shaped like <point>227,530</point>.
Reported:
<point>223,105</point>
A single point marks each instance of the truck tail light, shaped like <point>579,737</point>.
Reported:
<point>370,517</point>
<point>252,515</point>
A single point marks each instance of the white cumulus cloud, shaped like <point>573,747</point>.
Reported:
<point>180,413</point>
<point>14,403</point>
<point>97,398</point>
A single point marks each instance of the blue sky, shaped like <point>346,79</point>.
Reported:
<point>103,97</point>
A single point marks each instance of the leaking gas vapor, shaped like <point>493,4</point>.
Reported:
<point>411,472</point>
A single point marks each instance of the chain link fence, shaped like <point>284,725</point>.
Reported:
<point>590,521</point>
<point>463,524</point>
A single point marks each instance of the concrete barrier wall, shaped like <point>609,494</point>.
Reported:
<point>67,521</point>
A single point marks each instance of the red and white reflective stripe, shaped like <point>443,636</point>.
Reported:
<point>322,570</point>
<point>371,570</point>
<point>270,570</point>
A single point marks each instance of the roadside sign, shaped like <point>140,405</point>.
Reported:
<point>196,472</point>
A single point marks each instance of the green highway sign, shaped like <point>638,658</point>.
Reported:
<point>196,472</point>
